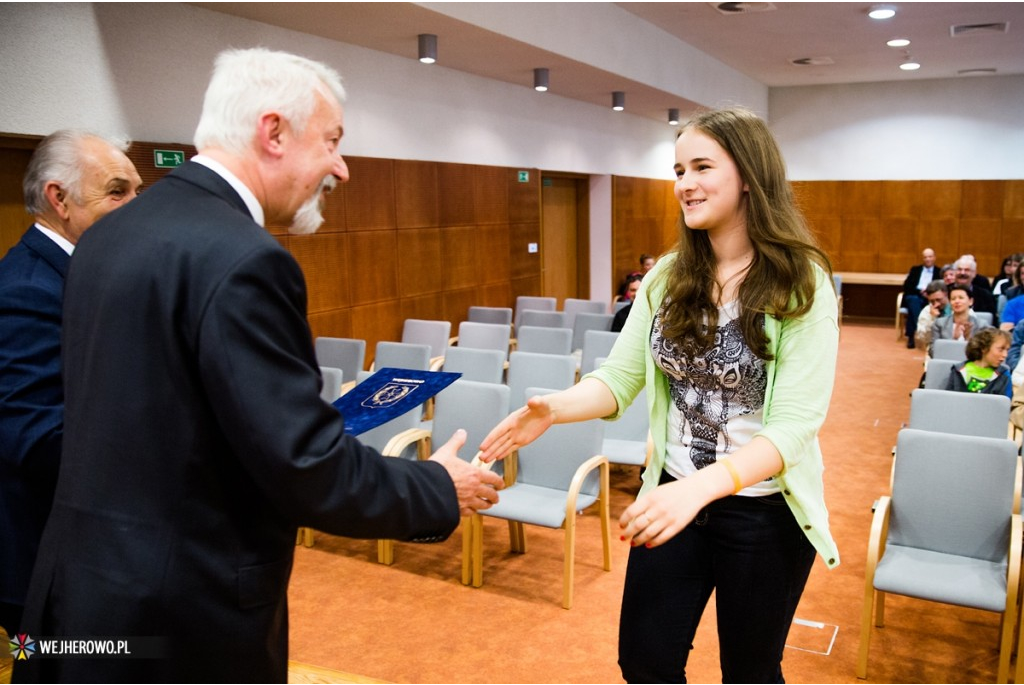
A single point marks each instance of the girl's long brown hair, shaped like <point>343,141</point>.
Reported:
<point>780,280</point>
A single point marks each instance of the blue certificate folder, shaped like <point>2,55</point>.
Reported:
<point>388,394</point>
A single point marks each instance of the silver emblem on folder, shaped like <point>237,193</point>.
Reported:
<point>388,395</point>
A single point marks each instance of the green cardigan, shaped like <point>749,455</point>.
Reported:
<point>796,400</point>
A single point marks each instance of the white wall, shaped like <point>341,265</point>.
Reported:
<point>967,128</point>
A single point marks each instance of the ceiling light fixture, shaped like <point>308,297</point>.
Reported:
<point>428,48</point>
<point>673,116</point>
<point>618,101</point>
<point>898,43</point>
<point>882,11</point>
<point>910,65</point>
<point>540,80</point>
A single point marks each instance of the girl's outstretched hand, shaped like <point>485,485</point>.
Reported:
<point>519,428</point>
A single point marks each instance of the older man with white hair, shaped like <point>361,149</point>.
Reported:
<point>196,440</point>
<point>967,274</point>
<point>72,179</point>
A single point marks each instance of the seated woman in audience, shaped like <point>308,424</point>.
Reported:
<point>1007,274</point>
<point>1016,287</point>
<point>962,323</point>
<point>984,371</point>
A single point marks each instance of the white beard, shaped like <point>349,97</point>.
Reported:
<point>310,216</point>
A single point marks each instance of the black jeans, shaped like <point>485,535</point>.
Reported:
<point>752,553</point>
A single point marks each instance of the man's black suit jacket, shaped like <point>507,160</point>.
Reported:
<point>914,276</point>
<point>195,443</point>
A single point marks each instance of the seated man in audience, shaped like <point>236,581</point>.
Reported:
<point>938,306</point>
<point>967,274</point>
<point>1013,356</point>
<point>914,298</point>
<point>1012,314</point>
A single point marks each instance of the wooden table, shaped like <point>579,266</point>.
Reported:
<point>870,295</point>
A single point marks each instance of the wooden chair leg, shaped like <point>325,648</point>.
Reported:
<point>386,552</point>
<point>570,560</point>
<point>467,550</point>
<point>478,550</point>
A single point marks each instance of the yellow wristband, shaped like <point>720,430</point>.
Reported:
<point>737,485</point>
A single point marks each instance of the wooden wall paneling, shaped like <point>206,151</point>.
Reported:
<point>818,198</point>
<point>897,198</point>
<point>376,322</point>
<point>859,244</point>
<point>623,196</point>
<point>524,264</point>
<point>457,304</point>
<point>142,156</point>
<point>981,200</point>
<point>983,239</point>
<point>496,295</point>
<point>938,199</point>
<point>861,199</point>
<point>334,211</point>
<point>370,194</point>
<point>372,267</point>
<point>416,194</point>
<point>943,236</point>
<point>322,257</point>
<point>898,245</point>
<point>528,285</point>
<point>430,307</point>
<point>455,194</point>
<point>490,195</point>
<point>421,268</point>
<point>14,220</point>
<point>336,323</point>
<point>524,198</point>
<point>494,244</point>
<point>461,254</point>
<point>583,238</point>
<point>1013,200</point>
<point>827,231</point>
<point>1012,240</point>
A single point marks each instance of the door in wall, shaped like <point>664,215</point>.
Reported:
<point>563,238</point>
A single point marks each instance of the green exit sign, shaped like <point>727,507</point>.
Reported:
<point>524,176</point>
<point>168,159</point>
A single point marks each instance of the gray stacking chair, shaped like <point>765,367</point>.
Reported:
<point>536,317</point>
<point>527,369</point>
<point>560,473</point>
<point>627,440</point>
<point>984,319</point>
<point>586,321</point>
<point>545,340</point>
<point>596,344</point>
<point>955,350</point>
<point>619,305</point>
<point>485,336</point>
<point>485,366</point>
<point>429,332</point>
<point>347,354</point>
<point>948,533</point>
<point>961,413</point>
<point>400,355</point>
<point>490,315</point>
<point>475,407</point>
<point>523,302</point>
<point>573,306</point>
<point>332,379</point>
<point>936,373</point>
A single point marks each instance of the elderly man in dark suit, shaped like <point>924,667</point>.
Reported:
<point>195,437</point>
<point>72,179</point>
<point>914,298</point>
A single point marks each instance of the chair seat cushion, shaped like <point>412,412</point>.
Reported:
<point>631,452</point>
<point>535,505</point>
<point>945,578</point>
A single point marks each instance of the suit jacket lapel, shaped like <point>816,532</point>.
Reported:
<point>50,252</point>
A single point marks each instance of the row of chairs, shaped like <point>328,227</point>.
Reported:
<point>950,531</point>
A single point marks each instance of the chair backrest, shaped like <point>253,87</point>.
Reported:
<point>545,340</point>
<point>936,373</point>
<point>485,336</point>
<point>347,354</point>
<point>953,494</point>
<point>596,344</point>
<point>475,407</point>
<point>961,413</point>
<point>537,317</point>
<point>552,459</point>
<point>402,356</point>
<point>485,366</point>
<point>428,332</point>
<point>633,424</point>
<point>587,321</point>
<point>379,436</point>
<point>944,348</point>
<point>838,281</point>
<point>620,304</point>
<point>490,314</point>
<point>332,379</point>
<point>546,304</point>
<point>573,306</point>
<point>984,319</point>
<point>526,369</point>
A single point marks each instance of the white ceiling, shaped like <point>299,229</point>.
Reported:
<point>758,44</point>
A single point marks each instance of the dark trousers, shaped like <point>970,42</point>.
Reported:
<point>752,553</point>
<point>914,305</point>
<point>10,617</point>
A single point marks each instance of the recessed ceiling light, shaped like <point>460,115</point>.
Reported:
<point>898,43</point>
<point>910,65</point>
<point>882,11</point>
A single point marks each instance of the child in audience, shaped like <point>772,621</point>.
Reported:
<point>985,370</point>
